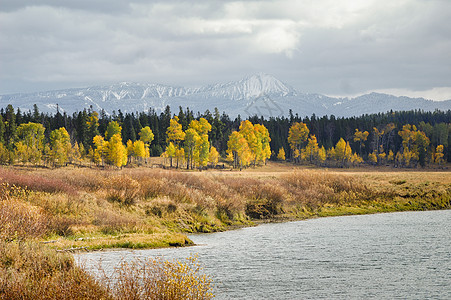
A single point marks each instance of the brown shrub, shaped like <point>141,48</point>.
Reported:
<point>122,189</point>
<point>19,220</point>
<point>88,179</point>
<point>35,182</point>
<point>152,187</point>
<point>31,271</point>
<point>61,225</point>
<point>111,222</point>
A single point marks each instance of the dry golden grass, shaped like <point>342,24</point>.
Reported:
<point>157,279</point>
<point>31,271</point>
<point>136,207</point>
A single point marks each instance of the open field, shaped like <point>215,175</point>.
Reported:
<point>43,210</point>
<point>142,207</point>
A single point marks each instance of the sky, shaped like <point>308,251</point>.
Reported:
<point>337,48</point>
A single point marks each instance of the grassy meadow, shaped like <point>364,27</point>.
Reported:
<point>46,213</point>
<point>145,207</point>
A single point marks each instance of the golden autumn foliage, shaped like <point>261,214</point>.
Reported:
<point>60,146</point>
<point>438,156</point>
<point>281,154</point>
<point>213,157</point>
<point>116,151</point>
<point>249,145</point>
<point>297,135</point>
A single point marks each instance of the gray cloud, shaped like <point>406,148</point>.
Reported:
<point>324,46</point>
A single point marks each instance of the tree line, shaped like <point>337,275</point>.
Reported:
<point>404,139</point>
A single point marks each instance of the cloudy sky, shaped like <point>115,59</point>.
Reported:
<point>345,47</point>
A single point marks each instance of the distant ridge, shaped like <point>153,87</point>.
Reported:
<point>260,94</point>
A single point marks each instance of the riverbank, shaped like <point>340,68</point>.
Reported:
<point>151,208</point>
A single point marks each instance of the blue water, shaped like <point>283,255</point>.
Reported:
<point>390,256</point>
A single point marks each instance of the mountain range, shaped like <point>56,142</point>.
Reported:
<point>259,94</point>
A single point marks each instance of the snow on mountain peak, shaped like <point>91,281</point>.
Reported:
<point>250,87</point>
<point>261,91</point>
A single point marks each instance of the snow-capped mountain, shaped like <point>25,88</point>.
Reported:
<point>249,87</point>
<point>260,94</point>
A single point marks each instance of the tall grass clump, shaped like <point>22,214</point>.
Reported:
<point>158,279</point>
<point>19,220</point>
<point>31,271</point>
<point>122,189</point>
<point>315,188</point>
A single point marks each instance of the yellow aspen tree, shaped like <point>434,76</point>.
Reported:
<point>343,151</point>
<point>60,146</point>
<point>330,154</point>
<point>191,139</point>
<point>229,157</point>
<point>32,137</point>
<point>202,126</point>
<point>372,157</point>
<point>312,148</point>
<point>360,137</point>
<point>100,149</point>
<point>179,155</point>
<point>248,132</point>
<point>140,151</point>
<point>170,152</point>
<point>340,149</point>
<point>146,135</point>
<point>416,142</point>
<point>407,157</point>
<point>263,148</point>
<point>281,154</point>
<point>304,154</point>
<point>390,156</point>
<point>174,132</point>
<point>297,154</point>
<point>197,145</point>
<point>92,156</point>
<point>117,152</point>
<point>348,152</point>
<point>21,152</point>
<point>381,156</point>
<point>238,147</point>
<point>175,135</point>
<point>356,159</point>
<point>267,152</point>
<point>421,143</point>
<point>130,151</point>
<point>322,154</point>
<point>297,135</point>
<point>438,157</point>
<point>378,134</point>
<point>407,134</point>
<point>213,157</point>
<point>203,150</point>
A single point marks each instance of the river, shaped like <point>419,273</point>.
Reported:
<point>404,255</point>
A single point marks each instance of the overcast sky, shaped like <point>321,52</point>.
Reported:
<point>346,47</point>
